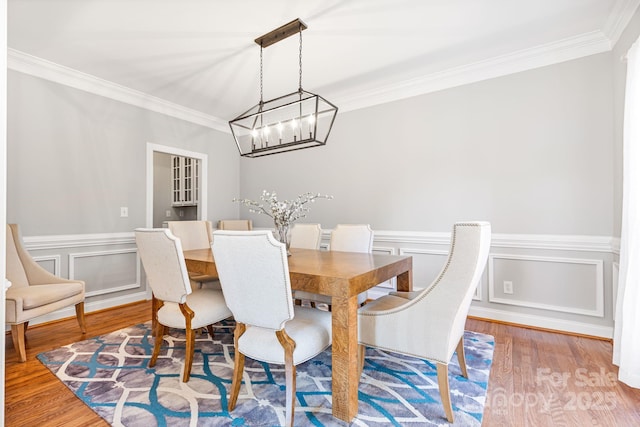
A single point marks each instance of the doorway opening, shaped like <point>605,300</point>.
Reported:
<point>185,200</point>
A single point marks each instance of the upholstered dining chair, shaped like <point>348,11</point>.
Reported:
<point>344,238</point>
<point>254,275</point>
<point>306,236</point>
<point>235,224</point>
<point>179,306</point>
<point>34,291</point>
<point>429,324</point>
<point>195,235</point>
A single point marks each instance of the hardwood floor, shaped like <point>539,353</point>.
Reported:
<point>33,395</point>
<point>541,378</point>
<point>537,378</point>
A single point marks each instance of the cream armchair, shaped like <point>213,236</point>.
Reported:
<point>178,306</point>
<point>254,274</point>
<point>34,291</point>
<point>429,324</point>
<point>235,224</point>
<point>306,236</point>
<point>195,235</point>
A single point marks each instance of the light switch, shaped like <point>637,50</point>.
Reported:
<point>124,212</point>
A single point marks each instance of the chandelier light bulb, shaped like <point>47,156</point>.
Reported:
<point>280,127</point>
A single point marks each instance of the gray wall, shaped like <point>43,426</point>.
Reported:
<point>531,152</point>
<point>76,158</point>
<point>537,153</point>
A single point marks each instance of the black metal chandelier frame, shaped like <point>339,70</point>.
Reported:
<point>290,122</point>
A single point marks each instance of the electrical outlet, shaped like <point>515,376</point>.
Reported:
<point>124,212</point>
<point>167,213</point>
<point>508,287</point>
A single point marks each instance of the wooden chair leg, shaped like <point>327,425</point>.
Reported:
<point>188,355</point>
<point>288,345</point>
<point>80,317</point>
<point>210,330</point>
<point>155,306</point>
<point>361,350</point>
<point>443,386</point>
<point>238,368</point>
<point>161,330</point>
<point>26,326</point>
<point>461,359</point>
<point>17,334</point>
<point>188,314</point>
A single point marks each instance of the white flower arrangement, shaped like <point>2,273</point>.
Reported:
<point>284,213</point>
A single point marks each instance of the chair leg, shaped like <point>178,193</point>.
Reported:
<point>288,345</point>
<point>188,314</point>
<point>443,386</point>
<point>188,355</point>
<point>361,350</point>
<point>17,334</point>
<point>461,359</point>
<point>210,330</point>
<point>238,368</point>
<point>80,317</point>
<point>155,306</point>
<point>161,330</point>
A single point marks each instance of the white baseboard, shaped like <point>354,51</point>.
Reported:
<point>542,322</point>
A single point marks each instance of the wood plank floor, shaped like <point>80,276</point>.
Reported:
<point>537,379</point>
<point>541,378</point>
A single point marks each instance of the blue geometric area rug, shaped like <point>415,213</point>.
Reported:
<point>109,373</point>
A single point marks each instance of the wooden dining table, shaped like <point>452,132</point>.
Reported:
<point>341,275</point>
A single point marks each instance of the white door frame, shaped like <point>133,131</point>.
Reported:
<point>202,188</point>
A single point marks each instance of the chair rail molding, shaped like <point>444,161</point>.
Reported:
<point>583,261</point>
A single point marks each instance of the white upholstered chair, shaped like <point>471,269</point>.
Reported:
<point>34,291</point>
<point>235,224</point>
<point>344,238</point>
<point>254,274</point>
<point>179,306</point>
<point>429,324</point>
<point>306,236</point>
<point>195,235</point>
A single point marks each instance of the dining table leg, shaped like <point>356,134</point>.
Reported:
<point>344,357</point>
<point>404,281</point>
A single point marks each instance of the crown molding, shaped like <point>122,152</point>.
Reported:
<point>552,53</point>
<point>38,67</point>
<point>526,59</point>
<point>619,18</point>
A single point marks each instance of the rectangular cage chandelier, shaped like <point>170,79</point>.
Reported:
<point>290,122</point>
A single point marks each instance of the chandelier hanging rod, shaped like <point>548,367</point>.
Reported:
<point>281,33</point>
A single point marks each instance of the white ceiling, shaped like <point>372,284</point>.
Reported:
<point>200,54</point>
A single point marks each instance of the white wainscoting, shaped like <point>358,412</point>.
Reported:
<point>108,263</point>
<point>583,265</point>
<point>589,286</point>
<point>51,263</point>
